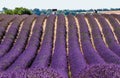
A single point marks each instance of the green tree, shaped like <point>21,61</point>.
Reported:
<point>7,11</point>
<point>21,10</point>
<point>17,10</point>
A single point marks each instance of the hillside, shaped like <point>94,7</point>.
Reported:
<point>58,46</point>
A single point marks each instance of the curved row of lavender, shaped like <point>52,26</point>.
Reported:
<point>76,59</point>
<point>108,34</point>
<point>18,47</point>
<point>88,50</point>
<point>114,24</point>
<point>116,16</point>
<point>102,49</point>
<point>10,35</point>
<point>59,58</point>
<point>4,24</point>
<point>4,16</point>
<point>43,57</point>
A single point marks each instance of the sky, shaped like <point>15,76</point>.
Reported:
<point>60,4</point>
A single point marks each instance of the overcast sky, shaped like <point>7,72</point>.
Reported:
<point>60,4</point>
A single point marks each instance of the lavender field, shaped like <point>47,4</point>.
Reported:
<point>59,46</point>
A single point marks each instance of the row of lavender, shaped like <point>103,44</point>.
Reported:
<point>22,55</point>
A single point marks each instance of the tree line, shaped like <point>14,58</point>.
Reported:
<point>22,10</point>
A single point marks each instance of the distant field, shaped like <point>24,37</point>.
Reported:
<point>111,12</point>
